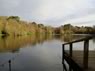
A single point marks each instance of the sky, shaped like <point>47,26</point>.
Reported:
<point>51,12</point>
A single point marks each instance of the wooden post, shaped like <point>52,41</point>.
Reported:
<point>70,49</point>
<point>63,54</point>
<point>86,50</point>
<point>70,53</point>
<point>9,65</point>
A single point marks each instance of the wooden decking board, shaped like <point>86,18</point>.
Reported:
<point>78,58</point>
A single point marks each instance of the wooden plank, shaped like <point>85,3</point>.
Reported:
<point>77,56</point>
<point>72,63</point>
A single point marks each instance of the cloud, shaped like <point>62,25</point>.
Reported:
<point>50,12</point>
<point>74,18</point>
<point>6,4</point>
<point>23,8</point>
<point>88,20</point>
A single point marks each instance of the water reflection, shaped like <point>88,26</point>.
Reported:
<point>12,44</point>
<point>43,52</point>
<point>68,38</point>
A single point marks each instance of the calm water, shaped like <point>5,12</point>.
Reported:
<point>43,53</point>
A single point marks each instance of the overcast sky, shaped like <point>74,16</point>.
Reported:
<point>51,12</point>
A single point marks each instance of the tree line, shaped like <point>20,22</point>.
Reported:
<point>12,25</point>
<point>70,29</point>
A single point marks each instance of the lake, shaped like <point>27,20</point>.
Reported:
<point>35,53</point>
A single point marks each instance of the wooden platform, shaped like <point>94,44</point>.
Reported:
<point>79,60</point>
<point>78,57</point>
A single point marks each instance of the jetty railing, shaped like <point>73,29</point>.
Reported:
<point>73,65</point>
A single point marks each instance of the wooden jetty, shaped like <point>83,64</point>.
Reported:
<point>78,60</point>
